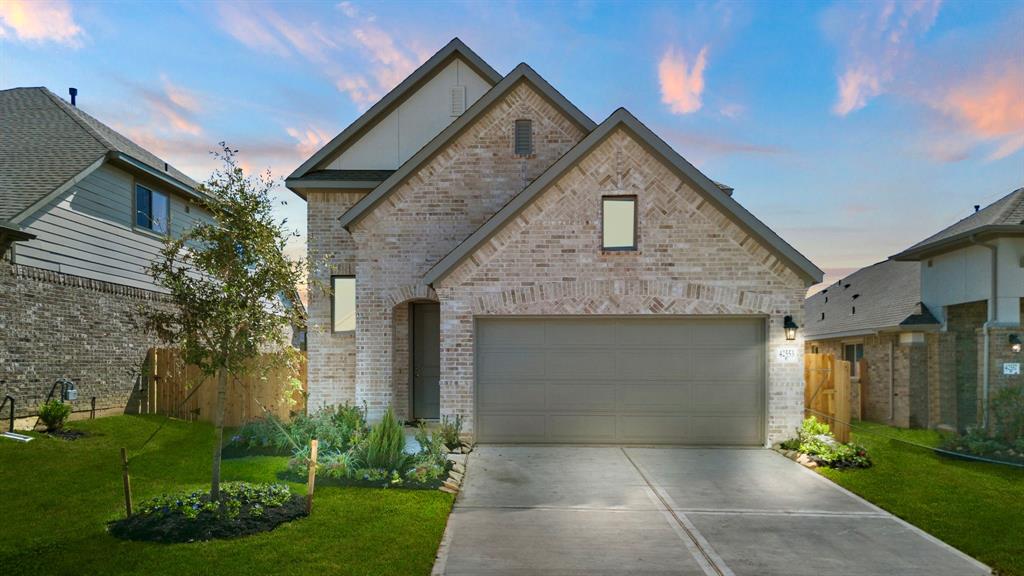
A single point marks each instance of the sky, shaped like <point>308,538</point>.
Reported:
<point>853,129</point>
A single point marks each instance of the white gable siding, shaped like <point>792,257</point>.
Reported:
<point>405,130</point>
<point>965,275</point>
<point>88,232</point>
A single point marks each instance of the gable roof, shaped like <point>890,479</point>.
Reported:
<point>49,144</point>
<point>521,73</point>
<point>1004,216</point>
<point>706,187</point>
<point>887,296</point>
<point>377,112</point>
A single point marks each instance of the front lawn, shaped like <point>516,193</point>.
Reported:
<point>56,497</point>
<point>976,507</point>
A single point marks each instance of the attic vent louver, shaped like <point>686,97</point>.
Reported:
<point>458,100</point>
<point>855,296</point>
<point>524,137</point>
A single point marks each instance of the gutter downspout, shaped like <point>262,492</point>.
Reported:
<point>892,380</point>
<point>992,301</point>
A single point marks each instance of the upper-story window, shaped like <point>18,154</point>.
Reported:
<point>152,209</point>
<point>524,137</point>
<point>343,303</point>
<point>618,223</point>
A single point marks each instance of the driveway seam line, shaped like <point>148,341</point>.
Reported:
<point>710,559</point>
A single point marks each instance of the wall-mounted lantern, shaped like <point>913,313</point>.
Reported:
<point>790,327</point>
<point>1015,343</point>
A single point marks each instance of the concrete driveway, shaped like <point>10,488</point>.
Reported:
<point>585,510</point>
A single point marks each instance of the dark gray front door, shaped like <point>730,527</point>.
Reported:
<point>426,360</point>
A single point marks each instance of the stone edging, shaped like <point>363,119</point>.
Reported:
<point>798,457</point>
<point>453,483</point>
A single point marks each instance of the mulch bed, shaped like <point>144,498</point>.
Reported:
<point>207,526</point>
<point>67,434</point>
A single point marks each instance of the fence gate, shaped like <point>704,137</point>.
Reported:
<point>827,392</point>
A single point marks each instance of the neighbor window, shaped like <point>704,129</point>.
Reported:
<point>852,353</point>
<point>151,209</point>
<point>524,137</point>
<point>343,306</point>
<point>618,223</point>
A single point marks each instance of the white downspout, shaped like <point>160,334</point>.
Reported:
<point>892,381</point>
<point>992,301</point>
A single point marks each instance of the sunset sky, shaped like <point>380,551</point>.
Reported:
<point>853,129</point>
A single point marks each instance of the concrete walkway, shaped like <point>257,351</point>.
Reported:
<point>608,510</point>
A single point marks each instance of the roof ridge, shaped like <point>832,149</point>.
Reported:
<point>60,103</point>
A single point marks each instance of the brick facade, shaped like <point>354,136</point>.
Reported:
<point>691,260</point>
<point>56,325</point>
<point>964,320</point>
<point>423,219</point>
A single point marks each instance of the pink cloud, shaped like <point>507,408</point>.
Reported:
<point>990,107</point>
<point>40,21</point>
<point>309,139</point>
<point>877,42</point>
<point>262,28</point>
<point>682,83</point>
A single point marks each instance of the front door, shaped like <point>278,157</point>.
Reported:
<point>426,360</point>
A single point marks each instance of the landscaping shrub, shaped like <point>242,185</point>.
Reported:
<point>54,414</point>
<point>243,508</point>
<point>1008,414</point>
<point>815,440</point>
<point>336,429</point>
<point>451,431</point>
<point>385,445</point>
<point>1005,441</point>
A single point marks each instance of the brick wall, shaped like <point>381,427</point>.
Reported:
<point>60,326</point>
<point>964,320</point>
<point>999,353</point>
<point>691,260</point>
<point>331,251</point>
<point>942,379</point>
<point>426,217</point>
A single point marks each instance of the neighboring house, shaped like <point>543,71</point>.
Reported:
<point>83,213</point>
<point>489,251</point>
<point>935,325</point>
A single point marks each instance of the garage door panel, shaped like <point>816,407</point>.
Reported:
<point>651,364</point>
<point>511,363</point>
<point>513,428</point>
<point>725,398</point>
<point>592,428</point>
<point>725,364</point>
<point>655,332</point>
<point>648,380</point>
<point>508,395</point>
<point>568,333</point>
<point>726,430</point>
<point>578,363</point>
<point>725,333</point>
<point>511,332</point>
<point>640,397</point>
<point>581,396</point>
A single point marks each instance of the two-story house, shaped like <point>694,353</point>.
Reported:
<point>935,331</point>
<point>83,213</point>
<point>485,249</point>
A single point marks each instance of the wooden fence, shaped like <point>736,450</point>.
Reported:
<point>827,392</point>
<point>168,381</point>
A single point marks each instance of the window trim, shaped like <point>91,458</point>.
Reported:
<point>854,366</point>
<point>636,223</point>
<point>334,277</point>
<point>135,210</point>
<point>515,138</point>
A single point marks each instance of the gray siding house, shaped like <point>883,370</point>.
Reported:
<point>83,212</point>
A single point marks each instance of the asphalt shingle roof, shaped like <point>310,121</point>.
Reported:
<point>45,141</point>
<point>347,175</point>
<point>885,295</point>
<point>1007,211</point>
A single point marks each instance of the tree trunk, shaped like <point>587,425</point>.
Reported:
<point>218,427</point>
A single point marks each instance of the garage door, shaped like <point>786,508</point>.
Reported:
<point>621,380</point>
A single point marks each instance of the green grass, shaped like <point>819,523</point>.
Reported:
<point>976,507</point>
<point>56,497</point>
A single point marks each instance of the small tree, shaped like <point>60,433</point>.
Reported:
<point>233,290</point>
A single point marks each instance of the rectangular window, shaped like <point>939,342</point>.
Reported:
<point>852,353</point>
<point>618,223</point>
<point>151,209</point>
<point>343,303</point>
<point>524,137</point>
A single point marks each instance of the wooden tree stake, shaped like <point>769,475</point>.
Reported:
<point>127,482</point>
<point>310,484</point>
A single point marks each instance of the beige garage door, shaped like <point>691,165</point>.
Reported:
<point>621,380</point>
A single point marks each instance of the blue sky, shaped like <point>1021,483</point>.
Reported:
<point>853,129</point>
